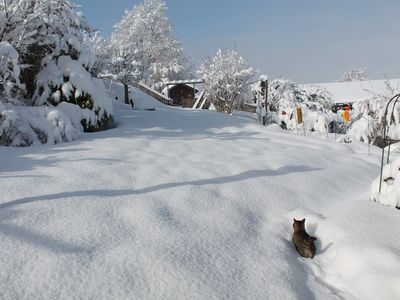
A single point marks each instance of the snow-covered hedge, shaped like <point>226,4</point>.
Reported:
<point>26,125</point>
<point>390,189</point>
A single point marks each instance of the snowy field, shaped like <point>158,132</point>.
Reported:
<point>180,204</point>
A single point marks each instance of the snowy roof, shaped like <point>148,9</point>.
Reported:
<point>170,86</point>
<point>188,81</point>
<point>353,91</point>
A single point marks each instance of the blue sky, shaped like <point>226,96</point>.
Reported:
<point>302,40</point>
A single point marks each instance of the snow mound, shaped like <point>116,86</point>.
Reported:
<point>390,186</point>
<point>25,125</point>
<point>141,100</point>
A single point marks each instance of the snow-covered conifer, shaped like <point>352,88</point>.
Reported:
<point>44,56</point>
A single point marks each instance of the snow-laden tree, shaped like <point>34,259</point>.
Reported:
<point>164,51</point>
<point>53,67</point>
<point>143,48</point>
<point>98,46</point>
<point>9,73</point>
<point>65,71</point>
<point>354,75</point>
<point>37,28</point>
<point>227,76</point>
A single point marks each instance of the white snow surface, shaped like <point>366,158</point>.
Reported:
<point>183,204</point>
<point>353,91</point>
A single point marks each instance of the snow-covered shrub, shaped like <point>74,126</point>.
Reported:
<point>25,125</point>
<point>9,72</point>
<point>362,129</point>
<point>47,39</point>
<point>317,121</point>
<point>313,120</point>
<point>285,97</point>
<point>283,94</point>
<point>258,90</point>
<point>227,77</point>
<point>390,189</point>
<point>64,79</point>
<point>368,117</point>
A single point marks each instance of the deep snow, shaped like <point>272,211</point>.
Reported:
<point>355,90</point>
<point>181,204</point>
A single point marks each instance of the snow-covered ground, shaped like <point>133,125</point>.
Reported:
<point>354,91</point>
<point>181,204</point>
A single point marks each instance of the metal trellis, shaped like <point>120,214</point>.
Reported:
<point>394,100</point>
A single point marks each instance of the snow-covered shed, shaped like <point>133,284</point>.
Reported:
<point>182,92</point>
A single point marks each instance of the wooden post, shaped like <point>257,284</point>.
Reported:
<point>265,118</point>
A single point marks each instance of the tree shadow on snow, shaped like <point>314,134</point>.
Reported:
<point>131,192</point>
<point>35,238</point>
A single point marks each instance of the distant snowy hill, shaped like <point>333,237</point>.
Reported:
<point>353,91</point>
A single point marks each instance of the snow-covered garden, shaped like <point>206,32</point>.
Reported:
<point>106,193</point>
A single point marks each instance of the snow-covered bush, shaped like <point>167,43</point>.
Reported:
<point>26,125</point>
<point>362,129</point>
<point>64,79</point>
<point>285,97</point>
<point>390,189</point>
<point>283,94</point>
<point>9,72</point>
<point>227,77</point>
<point>258,89</point>
<point>368,117</point>
<point>317,121</point>
<point>43,58</point>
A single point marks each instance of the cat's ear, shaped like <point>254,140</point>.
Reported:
<point>303,221</point>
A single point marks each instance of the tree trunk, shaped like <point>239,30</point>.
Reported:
<point>126,89</point>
